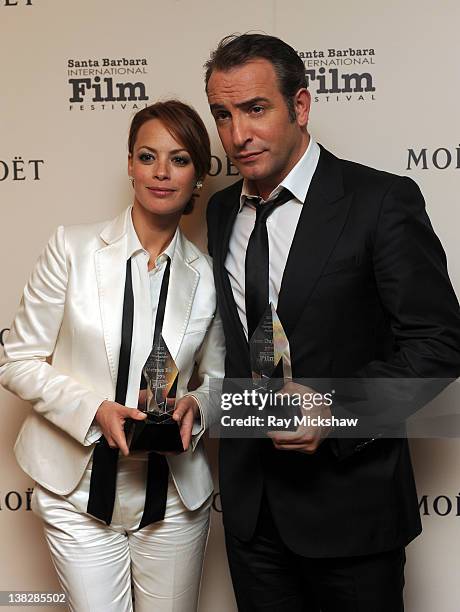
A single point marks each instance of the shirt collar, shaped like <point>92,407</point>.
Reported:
<point>297,181</point>
<point>135,246</point>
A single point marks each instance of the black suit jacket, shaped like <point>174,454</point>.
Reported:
<point>365,294</point>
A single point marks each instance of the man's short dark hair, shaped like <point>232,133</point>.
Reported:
<point>239,49</point>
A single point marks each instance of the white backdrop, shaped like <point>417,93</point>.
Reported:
<point>64,161</point>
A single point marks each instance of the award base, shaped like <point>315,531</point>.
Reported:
<point>155,434</point>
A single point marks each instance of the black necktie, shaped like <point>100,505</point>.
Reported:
<point>105,459</point>
<point>256,265</point>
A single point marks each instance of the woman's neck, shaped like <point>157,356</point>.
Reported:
<point>155,232</point>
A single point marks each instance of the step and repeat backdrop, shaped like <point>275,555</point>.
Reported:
<point>385,88</point>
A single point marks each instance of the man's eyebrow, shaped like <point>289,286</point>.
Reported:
<point>216,106</point>
<point>252,101</point>
<point>244,104</point>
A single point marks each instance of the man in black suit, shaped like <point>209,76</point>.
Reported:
<point>315,520</point>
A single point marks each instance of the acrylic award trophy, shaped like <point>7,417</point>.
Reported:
<point>159,431</point>
<point>269,352</point>
<point>271,365</point>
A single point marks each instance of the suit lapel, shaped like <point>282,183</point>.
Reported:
<point>227,227</point>
<point>110,263</point>
<point>322,219</point>
<point>183,282</point>
<point>228,217</point>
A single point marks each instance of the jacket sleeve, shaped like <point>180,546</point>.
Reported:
<point>210,361</point>
<point>413,285</point>
<point>26,367</point>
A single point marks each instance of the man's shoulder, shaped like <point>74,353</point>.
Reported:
<point>358,175</point>
<point>221,202</point>
<point>228,194</point>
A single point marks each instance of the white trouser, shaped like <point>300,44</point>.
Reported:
<point>98,564</point>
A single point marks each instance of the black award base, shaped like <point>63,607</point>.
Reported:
<point>154,435</point>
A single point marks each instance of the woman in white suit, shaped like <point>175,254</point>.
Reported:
<point>115,520</point>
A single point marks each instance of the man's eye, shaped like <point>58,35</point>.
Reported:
<point>257,109</point>
<point>145,157</point>
<point>221,116</point>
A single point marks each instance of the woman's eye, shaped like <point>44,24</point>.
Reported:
<point>181,161</point>
<point>145,157</point>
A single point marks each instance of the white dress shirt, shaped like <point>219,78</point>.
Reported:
<point>281,227</point>
<point>148,282</point>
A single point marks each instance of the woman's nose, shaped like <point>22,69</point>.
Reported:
<point>161,170</point>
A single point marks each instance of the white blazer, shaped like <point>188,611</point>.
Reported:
<point>61,353</point>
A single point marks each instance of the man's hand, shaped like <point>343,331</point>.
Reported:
<point>184,414</point>
<point>111,418</point>
<point>306,439</point>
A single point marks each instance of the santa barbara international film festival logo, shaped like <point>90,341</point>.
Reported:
<point>340,75</point>
<point>107,83</point>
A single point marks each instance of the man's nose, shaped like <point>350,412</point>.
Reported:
<point>241,134</point>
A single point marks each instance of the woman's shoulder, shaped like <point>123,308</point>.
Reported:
<point>78,240</point>
<point>83,231</point>
<point>96,233</point>
<point>193,253</point>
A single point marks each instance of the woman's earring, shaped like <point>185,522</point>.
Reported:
<point>199,184</point>
<point>132,180</point>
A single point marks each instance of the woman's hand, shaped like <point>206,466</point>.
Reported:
<point>184,415</point>
<point>111,418</point>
